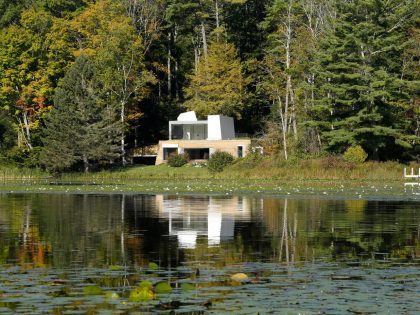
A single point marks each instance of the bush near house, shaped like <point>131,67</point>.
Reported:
<point>178,160</point>
<point>355,154</point>
<point>219,160</point>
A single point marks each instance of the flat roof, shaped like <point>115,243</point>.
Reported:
<point>198,122</point>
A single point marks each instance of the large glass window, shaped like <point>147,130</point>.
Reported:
<point>177,132</point>
<point>189,132</point>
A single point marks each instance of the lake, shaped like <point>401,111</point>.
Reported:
<point>173,254</point>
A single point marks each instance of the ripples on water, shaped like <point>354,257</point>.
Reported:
<point>301,256</point>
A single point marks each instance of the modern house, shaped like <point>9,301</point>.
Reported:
<point>201,138</point>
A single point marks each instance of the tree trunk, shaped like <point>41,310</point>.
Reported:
<point>169,66</point>
<point>85,163</point>
<point>288,34</point>
<point>25,130</point>
<point>216,3</point>
<point>195,60</point>
<point>123,160</point>
<point>204,39</point>
<point>283,120</point>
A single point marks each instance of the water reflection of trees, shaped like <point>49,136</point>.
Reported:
<point>87,230</point>
<point>310,229</point>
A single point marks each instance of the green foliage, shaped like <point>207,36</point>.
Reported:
<point>355,154</point>
<point>7,133</point>
<point>363,93</point>
<point>219,160</point>
<point>22,156</point>
<point>178,160</point>
<point>328,74</point>
<point>10,11</point>
<point>80,128</point>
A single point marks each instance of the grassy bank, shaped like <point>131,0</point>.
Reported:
<point>322,177</point>
<point>243,169</point>
<point>259,169</point>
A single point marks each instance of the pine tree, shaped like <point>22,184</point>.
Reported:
<point>217,87</point>
<point>80,128</point>
<point>360,98</point>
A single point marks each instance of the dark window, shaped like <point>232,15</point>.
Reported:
<point>168,151</point>
<point>240,151</point>
<point>177,132</point>
<point>197,154</point>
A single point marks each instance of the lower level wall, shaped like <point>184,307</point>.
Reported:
<point>230,146</point>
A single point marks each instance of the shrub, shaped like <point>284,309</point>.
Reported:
<point>24,156</point>
<point>178,160</point>
<point>355,154</point>
<point>332,162</point>
<point>219,160</point>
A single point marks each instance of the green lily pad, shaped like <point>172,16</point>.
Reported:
<point>187,286</point>
<point>112,296</point>
<point>153,266</point>
<point>143,294</point>
<point>92,290</point>
<point>163,287</point>
<point>115,267</point>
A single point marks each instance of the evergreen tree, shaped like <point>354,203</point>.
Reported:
<point>80,128</point>
<point>361,98</point>
<point>217,87</point>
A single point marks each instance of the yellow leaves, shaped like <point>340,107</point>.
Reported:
<point>84,51</point>
<point>218,85</point>
<point>101,24</point>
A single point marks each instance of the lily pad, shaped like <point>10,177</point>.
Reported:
<point>112,295</point>
<point>163,287</point>
<point>92,290</point>
<point>143,294</point>
<point>153,266</point>
<point>115,267</point>
<point>239,277</point>
<point>187,286</point>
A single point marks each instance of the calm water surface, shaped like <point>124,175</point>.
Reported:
<point>87,254</point>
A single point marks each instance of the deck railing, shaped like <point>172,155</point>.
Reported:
<point>412,173</point>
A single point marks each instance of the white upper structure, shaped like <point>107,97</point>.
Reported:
<point>187,127</point>
<point>187,116</point>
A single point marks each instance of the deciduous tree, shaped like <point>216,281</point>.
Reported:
<point>217,87</point>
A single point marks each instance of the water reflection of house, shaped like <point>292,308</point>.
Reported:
<point>211,217</point>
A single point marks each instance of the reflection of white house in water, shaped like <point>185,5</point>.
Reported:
<point>213,217</point>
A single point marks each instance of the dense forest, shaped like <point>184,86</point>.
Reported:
<point>89,81</point>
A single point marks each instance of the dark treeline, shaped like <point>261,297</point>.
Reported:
<point>87,81</point>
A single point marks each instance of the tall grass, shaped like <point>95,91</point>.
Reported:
<point>260,168</point>
<point>14,173</point>
<point>315,169</point>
